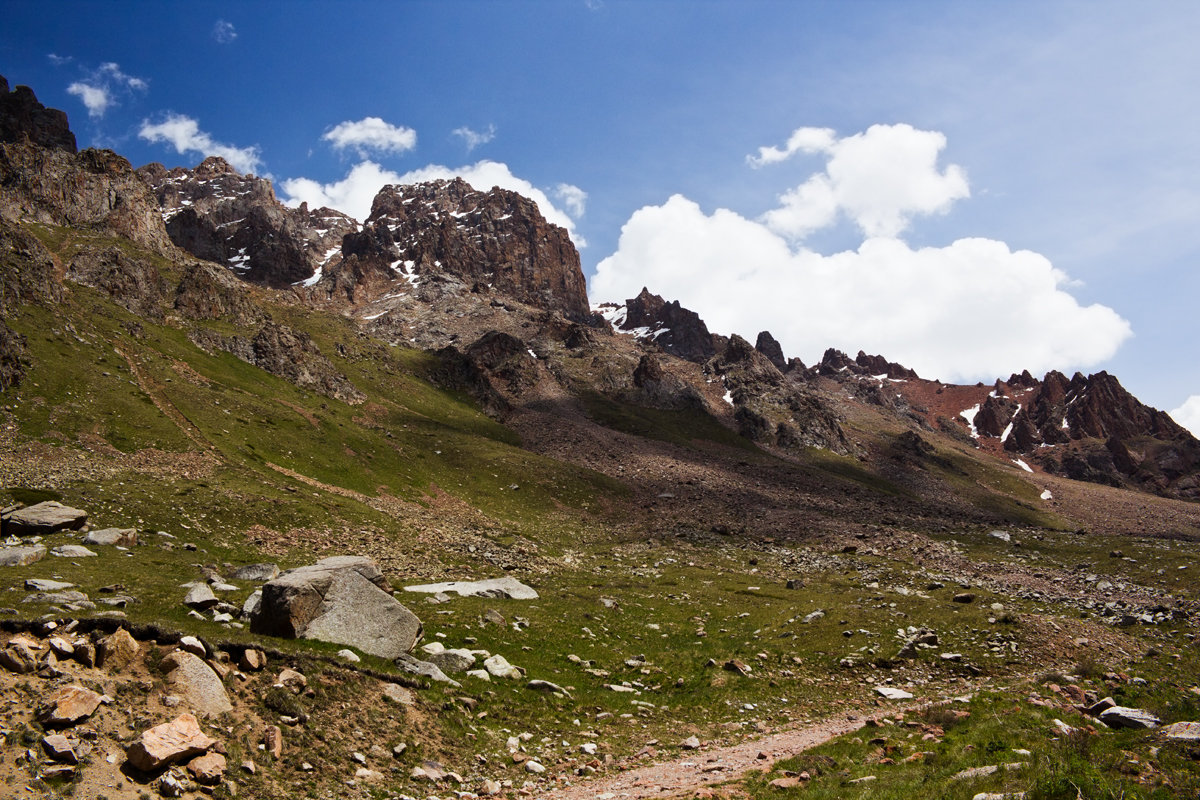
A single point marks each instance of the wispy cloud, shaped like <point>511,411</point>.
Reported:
<point>101,89</point>
<point>184,134</point>
<point>474,138</point>
<point>58,60</point>
<point>371,134</point>
<point>224,32</point>
<point>574,198</point>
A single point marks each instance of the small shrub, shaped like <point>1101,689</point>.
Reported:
<point>1090,669</point>
<point>282,701</point>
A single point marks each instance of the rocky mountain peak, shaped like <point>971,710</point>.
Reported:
<point>835,362</point>
<point>495,241</point>
<point>24,119</point>
<point>677,330</point>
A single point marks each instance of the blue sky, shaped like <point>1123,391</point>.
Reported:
<point>975,187</point>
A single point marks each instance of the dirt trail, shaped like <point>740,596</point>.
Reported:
<point>706,767</point>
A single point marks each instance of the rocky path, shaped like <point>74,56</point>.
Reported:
<point>692,771</point>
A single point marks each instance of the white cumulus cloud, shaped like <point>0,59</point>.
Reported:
<point>353,194</point>
<point>574,198</point>
<point>973,309</point>
<point>1188,415</point>
<point>371,134</point>
<point>94,98</point>
<point>880,179</point>
<point>184,134</point>
<point>473,138</point>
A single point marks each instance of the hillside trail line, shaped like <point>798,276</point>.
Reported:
<point>706,767</point>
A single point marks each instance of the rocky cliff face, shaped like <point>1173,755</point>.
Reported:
<point>493,242</point>
<point>218,214</point>
<point>24,120</point>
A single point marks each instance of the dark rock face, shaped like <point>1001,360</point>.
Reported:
<point>131,282</point>
<point>290,354</point>
<point>12,357</point>
<point>677,330</point>
<point>218,214</point>
<point>657,388</point>
<point>208,292</point>
<point>835,362</point>
<point>27,272</point>
<point>769,347</point>
<point>495,241</point>
<point>24,119</point>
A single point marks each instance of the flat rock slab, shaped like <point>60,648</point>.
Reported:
<point>68,705</point>
<point>1186,731</point>
<point>169,743</point>
<point>123,537</point>
<point>72,551</point>
<point>507,586</point>
<point>258,573</point>
<point>21,555</point>
<point>340,600</point>
<point>55,597</point>
<point>47,585</point>
<point>195,682</point>
<point>892,693</point>
<point>44,518</point>
<point>1123,717</point>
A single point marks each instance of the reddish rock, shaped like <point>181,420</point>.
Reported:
<point>207,769</point>
<point>273,741</point>
<point>117,650</point>
<point>170,743</point>
<point>68,705</point>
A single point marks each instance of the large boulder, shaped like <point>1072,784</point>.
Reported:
<point>45,518</point>
<point>170,743</point>
<point>193,680</point>
<point>21,555</point>
<point>68,705</point>
<point>341,600</point>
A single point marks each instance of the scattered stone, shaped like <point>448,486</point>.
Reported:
<point>498,667</point>
<point>291,679</point>
<point>121,537</point>
<point>813,617</point>
<point>208,769</point>
<point>47,585</point>
<point>534,767</point>
<point>999,796</point>
<point>64,771</point>
<point>18,658</point>
<point>256,573</point>
<point>348,655</point>
<point>190,644</point>
<point>964,597</point>
<point>194,680</point>
<point>341,600</point>
<point>490,788</point>
<point>1185,731</point>
<point>169,743</point>
<point>736,665</point>
<point>1100,706</point>
<point>690,743</point>
<point>169,786</point>
<point>273,741</point>
<point>67,706</point>
<point>398,694</point>
<point>546,686</point>
<point>507,587</point>
<point>45,518</point>
<point>200,597</point>
<point>452,661</point>
<point>588,748</point>
<point>370,775</point>
<point>399,749</point>
<point>117,650</point>
<point>60,748</point>
<point>787,782</point>
<point>481,674</point>
<point>494,617</point>
<point>1123,717</point>
<point>892,693</point>
<point>252,605</point>
<point>72,551</point>
<point>21,555</point>
<point>414,665</point>
<point>252,660</point>
<point>1001,535</point>
<point>1063,728</point>
<point>863,779</point>
<point>616,687</point>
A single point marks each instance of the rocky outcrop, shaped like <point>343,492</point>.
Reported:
<point>495,242</point>
<point>133,282</point>
<point>12,357</point>
<point>24,120</point>
<point>218,214</point>
<point>677,330</point>
<point>43,519</point>
<point>343,600</point>
<point>656,387</point>
<point>44,179</point>
<point>835,363</point>
<point>289,354</point>
<point>208,292</point>
<point>27,271</point>
<point>769,347</point>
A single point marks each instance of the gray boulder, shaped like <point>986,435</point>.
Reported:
<point>44,518</point>
<point>47,585</point>
<point>340,600</point>
<point>1123,717</point>
<point>200,597</point>
<point>72,551</point>
<point>193,680</point>
<point>21,556</point>
<point>508,587</point>
<point>256,573</point>
<point>122,537</point>
<point>408,663</point>
<point>451,661</point>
